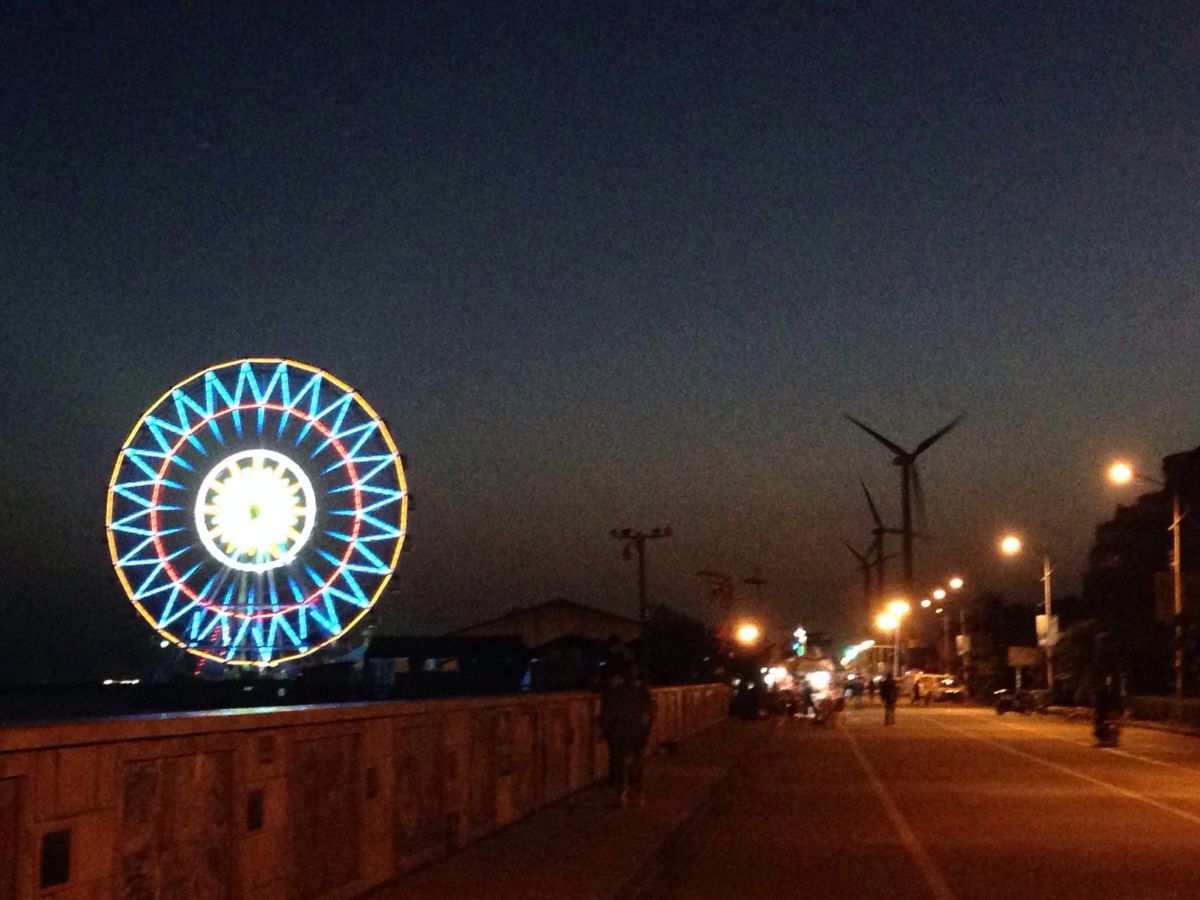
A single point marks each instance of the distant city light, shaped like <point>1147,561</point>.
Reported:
<point>852,653</point>
<point>939,594</point>
<point>926,603</point>
<point>956,583</point>
<point>818,681</point>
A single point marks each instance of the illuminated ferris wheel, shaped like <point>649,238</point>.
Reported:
<point>256,511</point>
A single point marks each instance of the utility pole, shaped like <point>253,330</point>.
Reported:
<point>636,540</point>
<point>756,581</point>
<point>1049,623</point>
<point>1177,591</point>
<point>720,589</point>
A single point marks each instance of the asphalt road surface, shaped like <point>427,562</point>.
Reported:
<point>951,803</point>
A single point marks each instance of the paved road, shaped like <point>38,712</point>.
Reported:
<point>951,803</point>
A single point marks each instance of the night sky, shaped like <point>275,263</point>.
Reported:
<point>605,265</point>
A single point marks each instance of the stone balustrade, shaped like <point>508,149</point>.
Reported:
<point>295,802</point>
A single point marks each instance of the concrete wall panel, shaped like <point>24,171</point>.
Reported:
<point>294,803</point>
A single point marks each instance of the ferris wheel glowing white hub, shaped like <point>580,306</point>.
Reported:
<point>255,510</point>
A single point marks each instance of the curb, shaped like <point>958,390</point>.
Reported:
<point>1083,712</point>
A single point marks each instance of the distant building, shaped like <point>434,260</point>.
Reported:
<point>569,643</point>
<point>539,625</point>
<point>1128,575</point>
<point>440,666</point>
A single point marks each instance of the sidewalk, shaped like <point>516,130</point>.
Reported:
<point>584,847</point>
<point>1082,713</point>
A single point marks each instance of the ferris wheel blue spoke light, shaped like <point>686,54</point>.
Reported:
<point>256,512</point>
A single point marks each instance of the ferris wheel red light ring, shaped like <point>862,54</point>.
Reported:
<point>184,587</point>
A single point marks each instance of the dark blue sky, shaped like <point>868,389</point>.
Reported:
<point>604,266</point>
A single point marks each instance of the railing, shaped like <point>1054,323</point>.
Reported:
<point>296,802</point>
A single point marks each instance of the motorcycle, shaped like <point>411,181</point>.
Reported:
<point>1014,701</point>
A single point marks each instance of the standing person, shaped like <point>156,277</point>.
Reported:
<point>1106,708</point>
<point>626,714</point>
<point>889,693</point>
<point>916,693</point>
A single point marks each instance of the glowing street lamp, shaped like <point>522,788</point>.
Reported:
<point>1012,545</point>
<point>926,603</point>
<point>1122,473</point>
<point>955,583</point>
<point>939,593</point>
<point>747,634</point>
<point>890,621</point>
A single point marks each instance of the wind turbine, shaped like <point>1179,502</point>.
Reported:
<point>877,534</point>
<point>866,565</point>
<point>910,484</point>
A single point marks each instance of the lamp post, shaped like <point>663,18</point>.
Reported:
<point>890,621</point>
<point>956,585</point>
<point>1124,473</point>
<point>939,595</point>
<point>1011,545</point>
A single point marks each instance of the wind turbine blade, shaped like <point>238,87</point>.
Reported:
<point>891,445</point>
<point>871,503</point>
<point>854,553</point>
<point>937,436</point>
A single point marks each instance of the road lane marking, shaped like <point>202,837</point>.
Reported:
<point>929,870</point>
<point>1115,788</point>
<point>1113,750</point>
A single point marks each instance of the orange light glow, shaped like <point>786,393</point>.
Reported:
<point>1120,473</point>
<point>747,633</point>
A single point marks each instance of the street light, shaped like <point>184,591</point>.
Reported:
<point>956,584</point>
<point>747,634</point>
<point>890,621</point>
<point>1121,473</point>
<point>939,594</point>
<point>926,603</point>
<point>1012,545</point>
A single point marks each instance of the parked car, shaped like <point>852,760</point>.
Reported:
<point>941,688</point>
